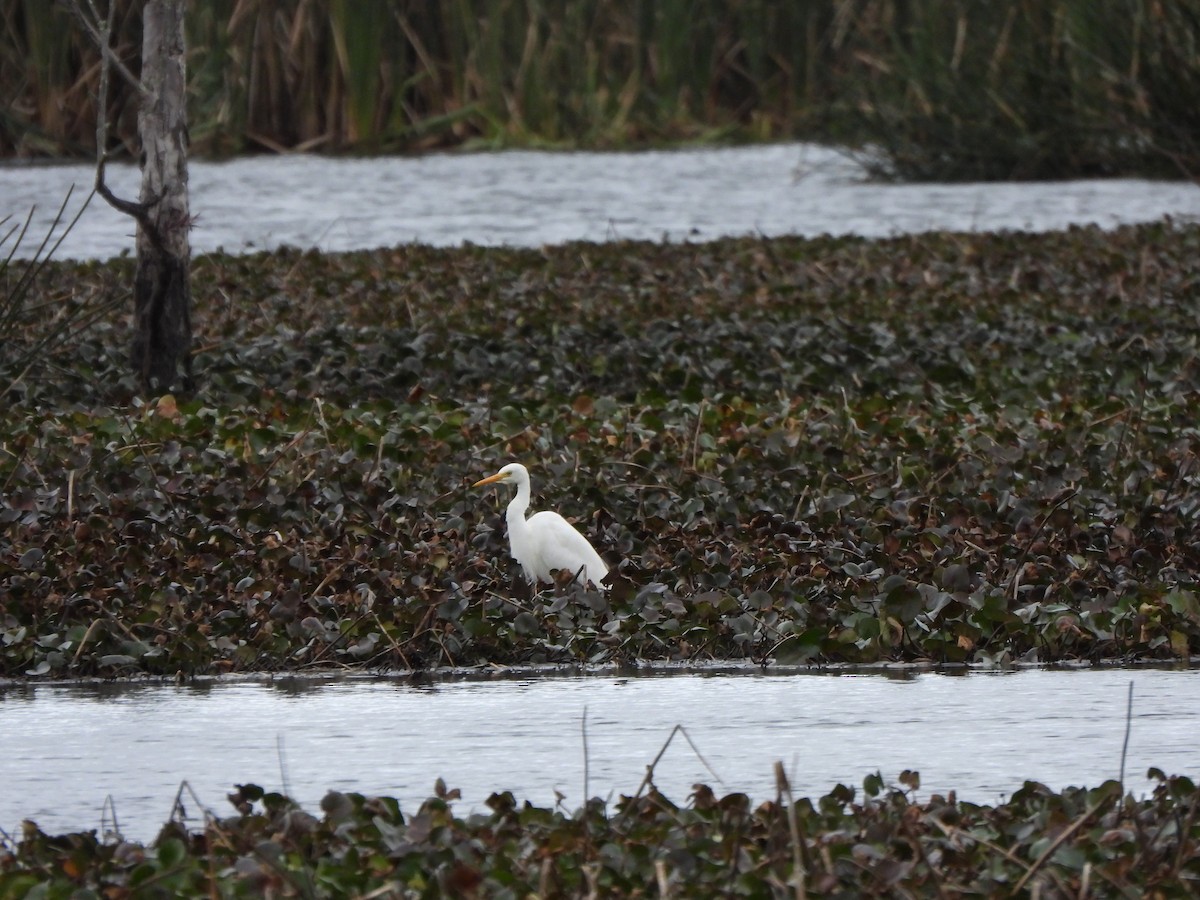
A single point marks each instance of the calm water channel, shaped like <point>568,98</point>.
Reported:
<point>534,198</point>
<point>63,750</point>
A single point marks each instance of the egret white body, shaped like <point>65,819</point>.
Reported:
<point>545,542</point>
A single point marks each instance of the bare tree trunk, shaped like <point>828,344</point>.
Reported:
<point>162,293</point>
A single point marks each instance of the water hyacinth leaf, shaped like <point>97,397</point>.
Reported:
<point>31,558</point>
<point>1182,786</point>
<point>526,624</point>
<point>834,502</point>
<point>1183,603</point>
<point>365,646</point>
<point>337,806</point>
<point>935,601</point>
<point>799,649</point>
<point>136,649</point>
<point>673,605</point>
<point>956,577</point>
<point>171,853</point>
<point>904,602</point>
<point>759,600</point>
<point>1180,645</point>
<point>598,602</point>
<point>743,627</point>
<point>650,593</point>
<point>116,660</point>
<point>452,608</point>
<point>867,627</point>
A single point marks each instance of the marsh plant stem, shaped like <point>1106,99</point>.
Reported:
<point>283,774</point>
<point>800,863</point>
<point>1128,728</point>
<point>586,761</point>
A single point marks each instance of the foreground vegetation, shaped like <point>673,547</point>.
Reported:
<point>947,448</point>
<point>998,90</point>
<point>882,843</point>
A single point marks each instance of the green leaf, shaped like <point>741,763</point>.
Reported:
<point>171,853</point>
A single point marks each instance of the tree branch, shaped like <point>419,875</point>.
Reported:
<point>101,38</point>
<point>102,101</point>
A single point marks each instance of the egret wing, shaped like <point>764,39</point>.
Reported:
<point>561,547</point>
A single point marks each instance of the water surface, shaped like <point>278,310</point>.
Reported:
<point>529,198</point>
<point>64,750</point>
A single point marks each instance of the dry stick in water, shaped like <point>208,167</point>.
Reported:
<point>110,807</point>
<point>650,768</point>
<point>177,808</point>
<point>1128,728</point>
<point>284,781</point>
<point>585,761</point>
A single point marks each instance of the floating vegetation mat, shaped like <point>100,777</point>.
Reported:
<point>942,448</point>
<point>882,842</point>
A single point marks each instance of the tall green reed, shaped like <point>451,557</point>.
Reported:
<point>1024,89</point>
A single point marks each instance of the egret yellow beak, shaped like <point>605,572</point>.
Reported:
<point>491,479</point>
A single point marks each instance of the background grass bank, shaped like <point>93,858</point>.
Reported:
<point>944,90</point>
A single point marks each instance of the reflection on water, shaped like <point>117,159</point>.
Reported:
<point>528,198</point>
<point>63,750</point>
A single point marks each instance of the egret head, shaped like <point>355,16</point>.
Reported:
<point>507,475</point>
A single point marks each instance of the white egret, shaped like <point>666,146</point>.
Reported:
<point>545,542</point>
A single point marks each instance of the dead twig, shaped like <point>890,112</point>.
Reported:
<point>649,778</point>
<point>392,641</point>
<point>1015,582</point>
<point>100,31</point>
<point>1063,837</point>
<point>801,864</point>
